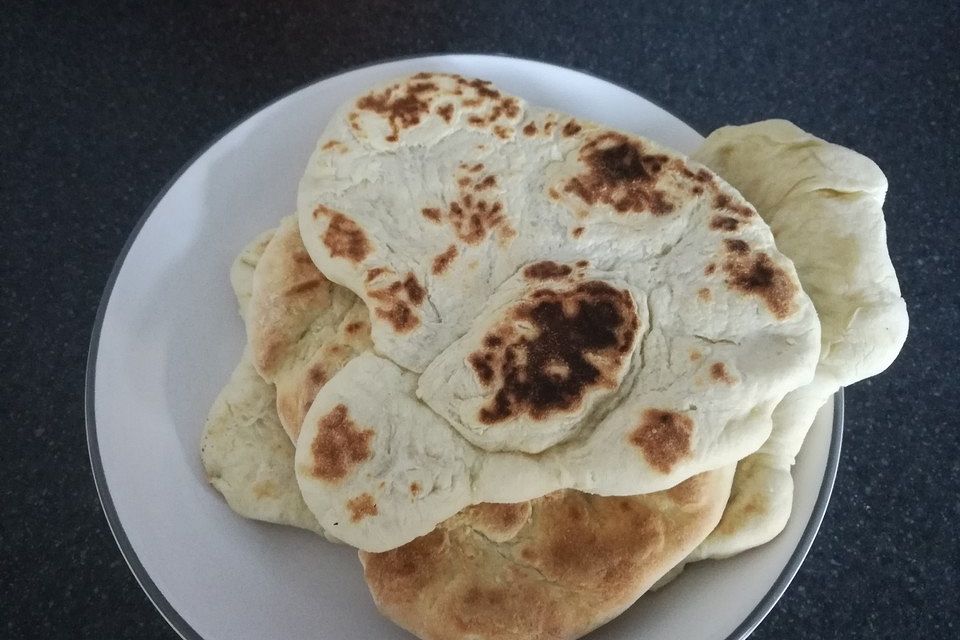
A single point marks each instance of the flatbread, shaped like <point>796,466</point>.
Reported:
<point>248,457</point>
<point>301,327</point>
<point>647,323</point>
<point>556,567</point>
<point>243,267</point>
<point>824,204</point>
<point>245,453</point>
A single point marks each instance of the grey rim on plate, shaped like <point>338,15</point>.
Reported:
<point>183,628</point>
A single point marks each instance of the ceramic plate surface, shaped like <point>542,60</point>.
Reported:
<point>168,336</point>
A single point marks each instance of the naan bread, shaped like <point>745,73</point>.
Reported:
<point>245,453</point>
<point>824,204</point>
<point>553,568</point>
<point>243,267</point>
<point>301,327</point>
<point>589,310</point>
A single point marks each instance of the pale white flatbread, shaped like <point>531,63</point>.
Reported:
<point>824,204</point>
<point>248,457</point>
<point>459,214</point>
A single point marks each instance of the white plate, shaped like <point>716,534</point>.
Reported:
<point>168,335</point>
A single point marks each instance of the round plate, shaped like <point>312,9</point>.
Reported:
<point>168,335</point>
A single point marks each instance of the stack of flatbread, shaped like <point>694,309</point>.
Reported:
<point>529,365</point>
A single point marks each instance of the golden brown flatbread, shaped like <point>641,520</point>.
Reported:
<point>555,567</point>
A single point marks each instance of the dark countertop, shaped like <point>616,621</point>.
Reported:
<point>101,105</point>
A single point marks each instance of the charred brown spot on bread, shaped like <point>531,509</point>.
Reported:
<point>331,144</point>
<point>415,488</point>
<point>339,445</point>
<point>396,300</point>
<point>376,272</point>
<point>445,111</point>
<point>620,173</point>
<point>577,232</point>
<point>724,223</point>
<point>736,246</point>
<point>356,327</point>
<point>415,292</point>
<point>483,94</point>
<point>481,365</point>
<point>719,373</point>
<point>548,126</point>
<point>723,201</point>
<point>503,133</point>
<point>402,107</point>
<point>431,213</point>
<point>583,263</point>
<point>546,270</point>
<point>317,376</point>
<point>704,295</point>
<point>486,183</point>
<point>695,355</point>
<point>701,175</point>
<point>572,128</point>
<point>553,193</point>
<point>663,437</point>
<point>343,238</point>
<point>510,107</point>
<point>472,216</point>
<point>581,335</point>
<point>530,129</point>
<point>442,261</point>
<point>696,190</point>
<point>709,269</point>
<point>506,107</point>
<point>362,506</point>
<point>482,87</point>
<point>756,274</point>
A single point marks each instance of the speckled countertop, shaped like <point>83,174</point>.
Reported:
<point>101,103</point>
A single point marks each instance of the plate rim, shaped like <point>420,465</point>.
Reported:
<point>140,574</point>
